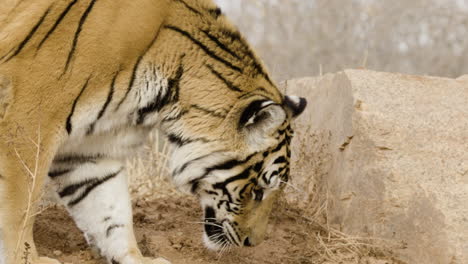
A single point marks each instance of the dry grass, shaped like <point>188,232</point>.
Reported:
<point>149,170</point>
<point>325,243</point>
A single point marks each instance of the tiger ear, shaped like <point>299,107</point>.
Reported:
<point>295,105</point>
<point>261,118</point>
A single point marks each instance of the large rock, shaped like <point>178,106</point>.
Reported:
<point>392,150</point>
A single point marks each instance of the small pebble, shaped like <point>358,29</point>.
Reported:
<point>177,246</point>
<point>57,252</point>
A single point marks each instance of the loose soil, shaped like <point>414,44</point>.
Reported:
<point>168,228</point>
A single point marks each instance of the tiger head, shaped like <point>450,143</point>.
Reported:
<point>239,176</point>
<point>230,125</point>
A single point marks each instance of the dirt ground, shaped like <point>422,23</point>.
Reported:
<point>167,228</point>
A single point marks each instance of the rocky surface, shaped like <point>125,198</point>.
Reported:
<point>392,153</point>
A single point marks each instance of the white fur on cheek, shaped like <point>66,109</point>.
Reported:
<point>209,244</point>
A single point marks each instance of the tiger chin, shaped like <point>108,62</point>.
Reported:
<point>84,82</point>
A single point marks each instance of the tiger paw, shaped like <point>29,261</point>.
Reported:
<point>156,261</point>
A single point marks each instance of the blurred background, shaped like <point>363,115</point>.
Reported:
<point>297,38</point>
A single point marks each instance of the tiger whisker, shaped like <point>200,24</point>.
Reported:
<point>206,223</point>
<point>223,247</point>
<point>292,186</point>
<point>216,236</point>
<point>218,244</point>
<point>226,247</point>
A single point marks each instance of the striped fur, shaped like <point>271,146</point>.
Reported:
<point>88,80</point>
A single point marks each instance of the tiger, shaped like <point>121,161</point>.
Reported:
<point>82,85</point>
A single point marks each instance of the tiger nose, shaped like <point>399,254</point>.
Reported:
<point>247,243</point>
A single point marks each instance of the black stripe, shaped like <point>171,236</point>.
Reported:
<point>264,74</point>
<point>179,141</point>
<point>29,36</point>
<point>272,175</point>
<point>281,132</point>
<point>109,97</point>
<point>280,159</point>
<point>204,48</point>
<point>194,187</point>
<point>229,84</point>
<point>58,173</point>
<point>236,232</point>
<point>57,22</point>
<point>227,165</point>
<point>71,189</point>
<point>78,158</point>
<point>173,86</point>
<point>132,80</point>
<point>236,36</point>
<point>91,187</point>
<point>211,192</point>
<point>77,33</point>
<point>189,7</point>
<point>259,68</point>
<point>258,166</point>
<point>220,44</point>
<point>235,210</point>
<point>113,261</point>
<point>230,237</point>
<point>170,96</point>
<point>175,139</point>
<point>285,175</point>
<point>222,185</point>
<point>177,117</point>
<point>111,228</point>
<point>231,163</point>
<point>106,104</point>
<point>135,67</point>
<point>242,191</point>
<point>250,54</point>
<point>252,109</point>
<point>107,218</point>
<point>215,13</point>
<point>280,145</point>
<point>208,111</point>
<point>69,124</point>
<point>183,167</point>
<point>241,176</point>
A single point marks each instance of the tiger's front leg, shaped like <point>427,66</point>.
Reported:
<point>94,191</point>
